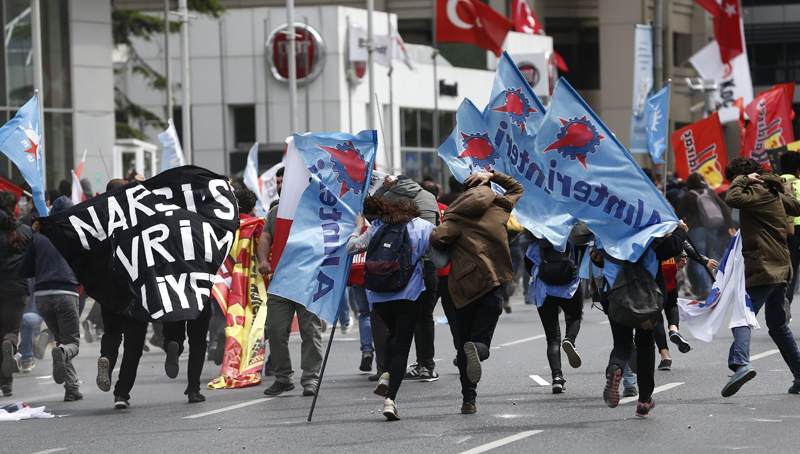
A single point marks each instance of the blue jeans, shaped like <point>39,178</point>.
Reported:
<point>31,321</point>
<point>359,295</point>
<point>628,377</point>
<point>704,240</point>
<point>344,311</point>
<point>772,296</point>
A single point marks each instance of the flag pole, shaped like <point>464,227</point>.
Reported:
<point>391,99</point>
<point>435,81</point>
<point>292,60</point>
<point>370,65</point>
<point>666,151</point>
<point>38,79</point>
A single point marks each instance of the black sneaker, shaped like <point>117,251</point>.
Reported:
<point>468,408</point>
<point>643,408</point>
<point>428,375</point>
<point>558,385</point>
<point>195,397</point>
<point>630,392</point>
<point>665,364</point>
<point>278,388</point>
<point>572,353</point>
<point>10,365</point>
<point>87,331</point>
<point>171,365</point>
<point>103,379</point>
<point>7,390</point>
<point>309,390</point>
<point>376,376</point>
<point>71,395</point>
<point>366,361</point>
<point>121,403</point>
<point>474,370</point>
<point>59,367</point>
<point>679,340</point>
<point>611,391</point>
<point>413,372</point>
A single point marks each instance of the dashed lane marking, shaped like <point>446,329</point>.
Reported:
<point>764,355</point>
<point>502,442</point>
<point>655,391</point>
<point>539,380</point>
<point>527,339</point>
<point>232,407</point>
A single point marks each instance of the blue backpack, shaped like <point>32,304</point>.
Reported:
<point>389,262</point>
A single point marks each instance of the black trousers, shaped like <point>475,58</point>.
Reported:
<point>379,335</point>
<point>673,318</point>
<point>573,314</point>
<point>476,323</point>
<point>424,335</point>
<point>645,355</point>
<point>196,330</point>
<point>794,255</point>
<point>12,307</point>
<point>443,291</point>
<point>95,317</point>
<point>135,331</point>
<point>401,318</point>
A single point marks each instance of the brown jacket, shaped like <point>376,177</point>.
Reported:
<point>474,231</point>
<point>763,210</point>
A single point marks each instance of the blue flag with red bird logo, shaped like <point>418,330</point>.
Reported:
<point>584,167</point>
<point>314,265</point>
<point>513,102</point>
<point>19,141</point>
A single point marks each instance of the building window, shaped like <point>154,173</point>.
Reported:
<point>419,155</point>
<point>244,124</point>
<point>578,43</point>
<point>773,52</point>
<point>681,48</point>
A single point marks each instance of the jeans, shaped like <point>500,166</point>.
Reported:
<point>794,254</point>
<point>425,333</point>
<point>60,313</point>
<point>704,240</point>
<point>401,318</point>
<point>645,355</point>
<point>31,322</point>
<point>279,322</point>
<point>771,297</point>
<point>628,377</point>
<point>548,313</point>
<point>359,295</point>
<point>135,331</point>
<point>196,331</point>
<point>344,310</point>
<point>476,323</point>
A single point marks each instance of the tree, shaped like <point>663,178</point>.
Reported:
<point>127,24</point>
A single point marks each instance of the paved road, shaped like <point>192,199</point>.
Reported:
<point>515,412</point>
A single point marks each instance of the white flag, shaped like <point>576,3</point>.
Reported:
<point>357,46</point>
<point>250,177</point>
<point>400,52</point>
<point>172,156</point>
<point>269,186</point>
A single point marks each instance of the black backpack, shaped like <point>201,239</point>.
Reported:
<point>556,268</point>
<point>635,300</point>
<point>389,262</point>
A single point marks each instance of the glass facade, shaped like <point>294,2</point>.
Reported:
<point>419,156</point>
<point>16,81</point>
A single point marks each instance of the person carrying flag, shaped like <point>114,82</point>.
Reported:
<point>763,207</point>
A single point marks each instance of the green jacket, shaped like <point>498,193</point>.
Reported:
<point>763,208</point>
<point>796,186</point>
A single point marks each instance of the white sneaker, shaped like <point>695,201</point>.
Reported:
<point>390,410</point>
<point>345,329</point>
<point>383,385</point>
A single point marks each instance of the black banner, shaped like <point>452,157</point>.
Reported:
<point>150,250</point>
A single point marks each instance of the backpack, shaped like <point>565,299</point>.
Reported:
<point>710,212</point>
<point>556,268</point>
<point>389,262</point>
<point>787,186</point>
<point>635,300</point>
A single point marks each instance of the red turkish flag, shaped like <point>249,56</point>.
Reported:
<point>770,125</point>
<point>527,22</point>
<point>472,22</point>
<point>727,31</point>
<point>700,148</point>
<point>789,96</point>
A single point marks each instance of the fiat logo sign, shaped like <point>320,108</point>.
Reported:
<point>310,53</point>
<point>530,73</point>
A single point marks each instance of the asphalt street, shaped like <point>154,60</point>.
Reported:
<point>516,410</point>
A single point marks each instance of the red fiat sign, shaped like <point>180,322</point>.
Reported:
<point>310,53</point>
<point>530,73</point>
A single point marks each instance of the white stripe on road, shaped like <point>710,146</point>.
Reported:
<point>48,451</point>
<point>539,380</point>
<point>502,442</point>
<point>655,391</point>
<point>604,322</point>
<point>763,355</point>
<point>232,407</point>
<point>522,340</point>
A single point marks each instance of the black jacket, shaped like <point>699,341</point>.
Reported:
<point>10,257</point>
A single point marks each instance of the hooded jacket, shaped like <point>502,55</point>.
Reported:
<point>428,207</point>
<point>10,281</point>
<point>762,216</point>
<point>474,232</point>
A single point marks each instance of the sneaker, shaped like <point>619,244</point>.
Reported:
<point>680,341</point>
<point>121,403</point>
<point>145,348</point>
<point>572,353</point>
<point>324,325</point>
<point>413,372</point>
<point>469,408</point>
<point>27,366</point>
<point>195,397</point>
<point>103,376</point>
<point>383,385</point>
<point>40,347</point>
<point>611,391</point>
<point>59,367</point>
<point>309,390</point>
<point>278,388</point>
<point>507,308</point>
<point>428,375</point>
<point>390,410</point>
<point>345,329</point>
<point>376,376</point>
<point>558,385</point>
<point>6,389</point>
<point>171,365</point>
<point>630,392</point>
<point>795,388</point>
<point>10,364</point>
<point>633,361</point>
<point>665,364</point>
<point>71,395</point>
<point>474,370</point>
<point>742,376</point>
<point>366,361</point>
<point>643,408</point>
<point>87,331</point>
<point>157,341</point>
<point>455,362</point>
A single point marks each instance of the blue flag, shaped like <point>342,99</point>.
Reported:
<point>512,102</point>
<point>19,140</point>
<point>584,167</point>
<point>657,118</point>
<point>642,86</point>
<point>314,265</point>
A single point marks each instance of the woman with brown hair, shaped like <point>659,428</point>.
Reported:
<point>399,308</point>
<point>13,288</point>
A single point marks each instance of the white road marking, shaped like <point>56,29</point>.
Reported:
<point>655,391</point>
<point>44,377</point>
<point>539,380</point>
<point>502,442</point>
<point>463,440</point>
<point>48,451</point>
<point>522,340</point>
<point>232,407</point>
<point>604,322</point>
<point>768,420</point>
<point>764,355</point>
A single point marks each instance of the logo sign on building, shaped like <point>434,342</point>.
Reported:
<point>310,53</point>
<point>530,73</point>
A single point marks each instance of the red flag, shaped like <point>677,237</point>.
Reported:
<point>727,30</point>
<point>770,125</point>
<point>709,5</point>
<point>6,185</point>
<point>789,95</point>
<point>739,104</point>
<point>472,22</point>
<point>700,148</point>
<point>527,22</point>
